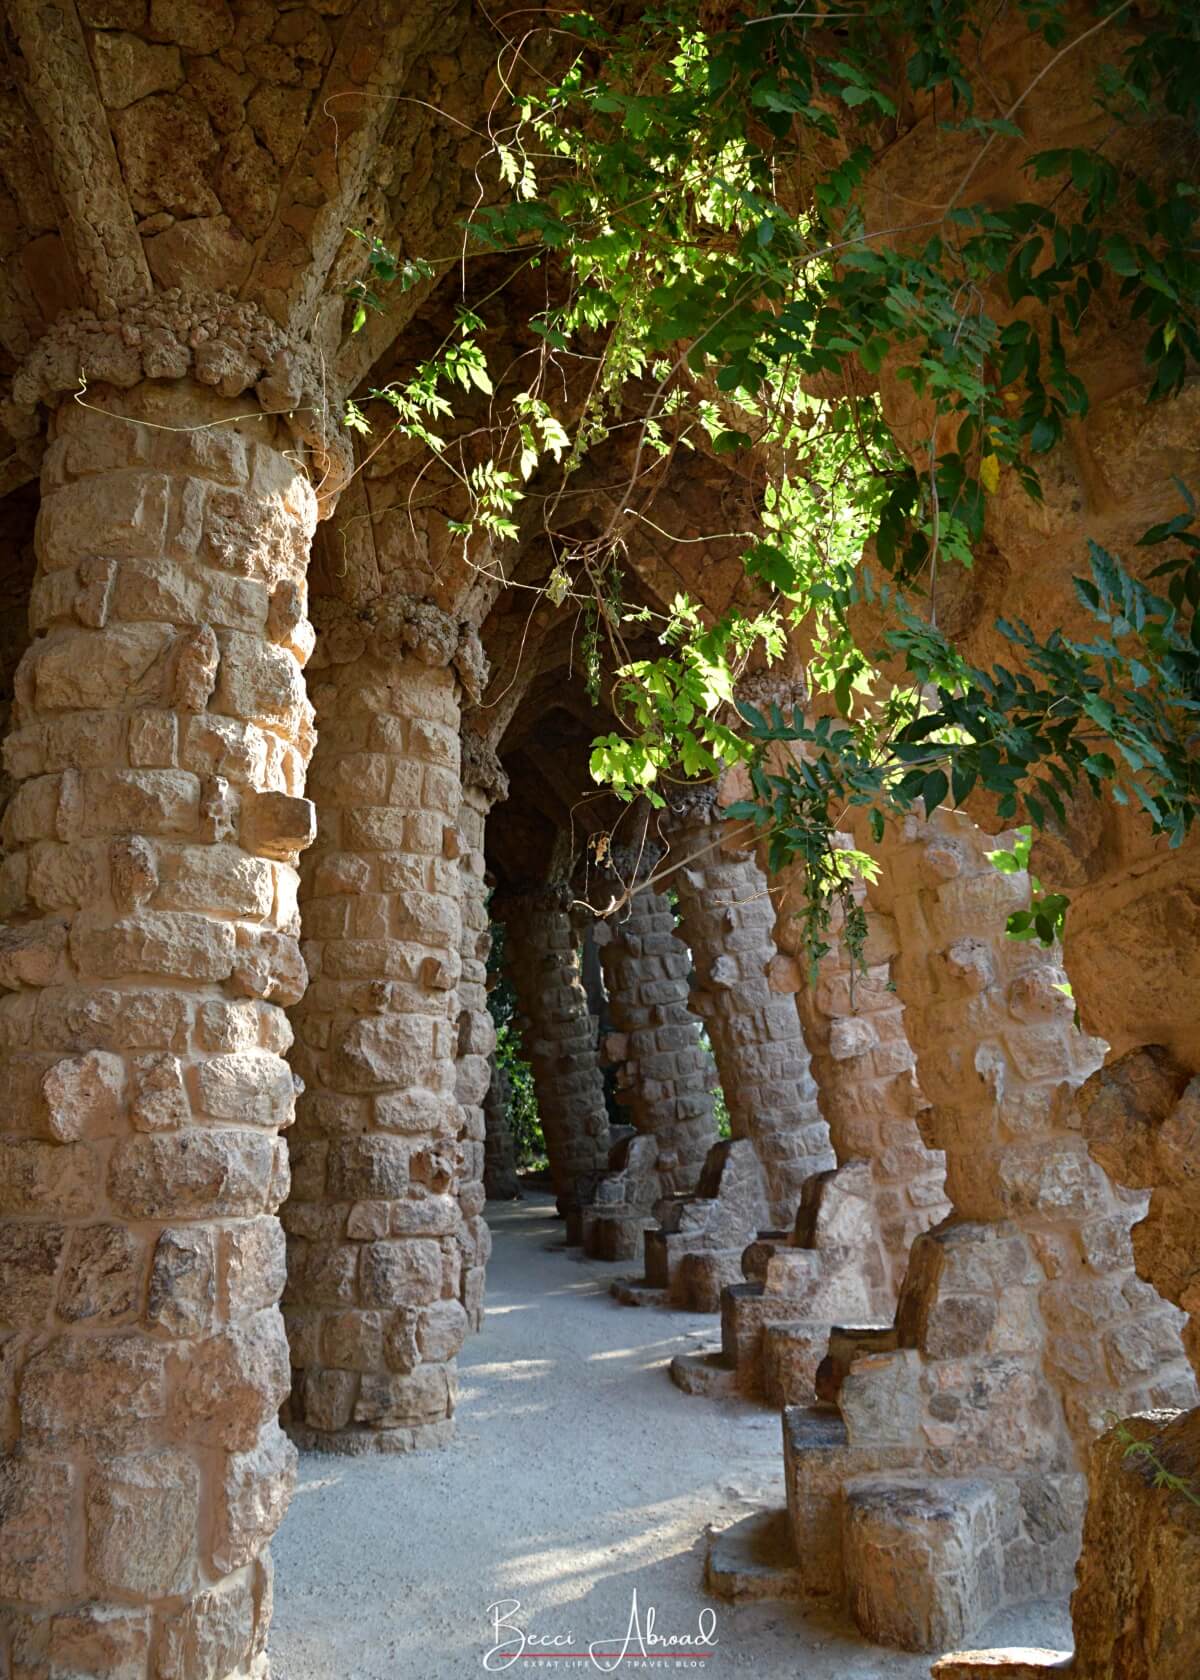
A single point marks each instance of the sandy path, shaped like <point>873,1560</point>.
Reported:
<point>579,1473</point>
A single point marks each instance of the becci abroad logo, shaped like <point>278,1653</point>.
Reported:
<point>640,1646</point>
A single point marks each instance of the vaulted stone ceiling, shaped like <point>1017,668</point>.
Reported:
<point>151,143</point>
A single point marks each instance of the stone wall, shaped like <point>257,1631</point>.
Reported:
<point>378,1236</point>
<point>664,1078</point>
<point>854,1024</point>
<point>1000,1058</point>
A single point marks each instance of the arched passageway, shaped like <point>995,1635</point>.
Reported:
<point>310,670</point>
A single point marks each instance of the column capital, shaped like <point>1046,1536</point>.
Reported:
<point>394,626</point>
<point>630,864</point>
<point>689,807</point>
<point>536,898</point>
<point>481,767</point>
<point>786,689</point>
<point>215,339</point>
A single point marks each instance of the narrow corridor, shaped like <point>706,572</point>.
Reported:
<point>578,1474</point>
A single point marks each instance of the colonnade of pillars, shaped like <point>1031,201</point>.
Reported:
<point>160,929</point>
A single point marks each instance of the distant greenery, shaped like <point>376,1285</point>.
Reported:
<point>524,1122</point>
<point>529,1145</point>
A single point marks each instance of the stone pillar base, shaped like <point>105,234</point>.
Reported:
<point>358,1443</point>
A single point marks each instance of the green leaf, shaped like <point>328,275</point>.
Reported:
<point>934,789</point>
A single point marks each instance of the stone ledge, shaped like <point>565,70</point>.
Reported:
<point>634,1292</point>
<point>753,1561</point>
<point>1011,1663</point>
<point>704,1373</point>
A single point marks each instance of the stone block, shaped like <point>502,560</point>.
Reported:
<point>1010,1662</point>
<point>160,1102</point>
<point>171,944</point>
<point>923,1560</point>
<point>818,1460</point>
<point>211,1635</point>
<point>233,1383</point>
<point>47,1178</point>
<point>102,1275</point>
<point>253,1265</point>
<point>404,1273</point>
<point>182,1297</point>
<point>257,680</point>
<point>441,1330</point>
<point>36,1524</point>
<point>191,1174</point>
<point>254,1494</point>
<point>249,1086</point>
<point>29,1261</point>
<point>752,1562</point>
<point>423,1215</point>
<point>366,1167</point>
<point>702,1276</point>
<point>95,1639</point>
<point>397,1400</point>
<point>84,1095</point>
<point>791,1353</point>
<point>138,802</point>
<point>381,1051</point>
<point>328,1398</point>
<point>322,1274</point>
<point>352,1340</point>
<point>96,1394</point>
<point>143,1516</point>
<point>217,880</point>
<point>278,825</point>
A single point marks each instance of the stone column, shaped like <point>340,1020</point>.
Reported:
<point>483,783</point>
<point>543,956</point>
<point>663,1076</point>
<point>161,733</point>
<point>376,1233</point>
<point>500,1157</point>
<point>853,1025</point>
<point>727,921</point>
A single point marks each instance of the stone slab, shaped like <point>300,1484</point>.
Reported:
<point>752,1562</point>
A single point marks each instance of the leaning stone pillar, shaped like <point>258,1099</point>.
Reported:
<point>483,783</point>
<point>1020,1321</point>
<point>727,921</point>
<point>866,1072</point>
<point>543,958</point>
<point>853,1025</point>
<point>375,1228</point>
<point>160,742</point>
<point>663,1077</point>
